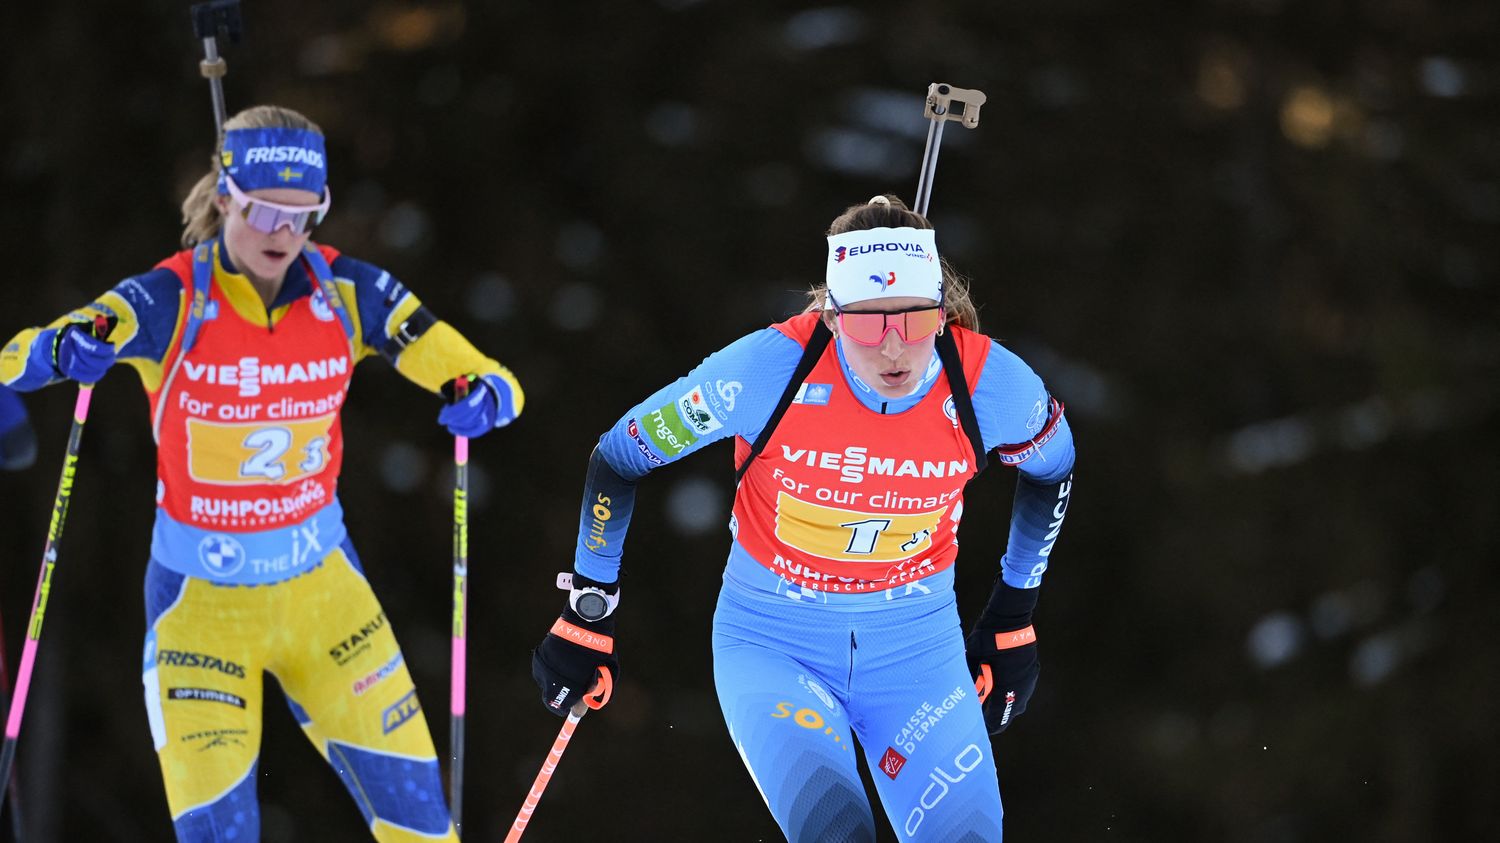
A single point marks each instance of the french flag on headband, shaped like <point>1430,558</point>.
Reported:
<point>882,263</point>
<point>276,157</point>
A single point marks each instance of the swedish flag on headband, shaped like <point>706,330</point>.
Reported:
<point>275,157</point>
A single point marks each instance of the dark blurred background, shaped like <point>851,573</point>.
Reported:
<point>1251,243</point>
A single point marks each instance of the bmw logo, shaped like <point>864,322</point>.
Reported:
<point>221,555</point>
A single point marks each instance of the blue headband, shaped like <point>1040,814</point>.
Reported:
<point>261,158</point>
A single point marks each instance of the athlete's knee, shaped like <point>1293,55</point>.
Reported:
<point>233,816</point>
<point>959,803</point>
<point>400,791</point>
<point>976,828</point>
<point>828,807</point>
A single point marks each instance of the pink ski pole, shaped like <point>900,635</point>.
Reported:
<point>457,688</point>
<point>600,694</point>
<point>101,329</point>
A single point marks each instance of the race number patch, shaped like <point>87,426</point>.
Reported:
<point>851,536</point>
<point>253,453</point>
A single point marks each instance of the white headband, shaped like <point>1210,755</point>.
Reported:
<point>883,263</point>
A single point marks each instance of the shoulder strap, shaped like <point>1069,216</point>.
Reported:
<point>322,275</point>
<point>963,400</point>
<point>198,306</point>
<point>810,354</point>
<point>203,276</point>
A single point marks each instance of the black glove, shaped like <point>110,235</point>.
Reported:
<point>1003,645</point>
<point>565,663</point>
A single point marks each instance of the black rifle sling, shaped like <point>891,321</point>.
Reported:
<point>963,400</point>
<point>947,352</point>
<point>810,354</point>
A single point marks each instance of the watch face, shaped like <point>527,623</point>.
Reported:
<point>592,606</point>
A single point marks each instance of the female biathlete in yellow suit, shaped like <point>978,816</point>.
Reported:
<point>245,344</point>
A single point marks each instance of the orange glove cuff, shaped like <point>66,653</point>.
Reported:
<point>583,637</point>
<point>1015,638</point>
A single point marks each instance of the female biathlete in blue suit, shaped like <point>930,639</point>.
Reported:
<point>837,618</point>
<point>245,344</point>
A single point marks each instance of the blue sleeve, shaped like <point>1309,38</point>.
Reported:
<point>152,299</point>
<point>33,350</point>
<point>17,439</point>
<point>145,308</point>
<point>1011,403</point>
<point>377,295</point>
<point>1013,407</point>
<point>731,393</point>
<point>12,411</point>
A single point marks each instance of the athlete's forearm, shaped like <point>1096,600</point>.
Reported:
<point>442,353</point>
<point>145,310</point>
<point>608,501</point>
<point>1036,520</point>
<point>26,361</point>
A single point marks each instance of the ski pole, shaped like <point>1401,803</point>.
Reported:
<point>13,790</point>
<point>210,20</point>
<point>101,328</point>
<point>598,696</point>
<point>939,109</point>
<point>457,672</point>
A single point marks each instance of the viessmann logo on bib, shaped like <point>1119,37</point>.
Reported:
<point>855,462</point>
<point>249,374</point>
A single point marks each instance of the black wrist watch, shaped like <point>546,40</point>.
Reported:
<point>590,602</point>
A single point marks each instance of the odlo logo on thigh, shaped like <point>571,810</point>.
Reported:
<point>938,787</point>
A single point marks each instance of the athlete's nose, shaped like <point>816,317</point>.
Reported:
<point>891,345</point>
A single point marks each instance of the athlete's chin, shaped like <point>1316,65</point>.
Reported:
<point>271,265</point>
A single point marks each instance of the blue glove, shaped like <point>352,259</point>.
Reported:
<point>489,404</point>
<point>17,439</point>
<point>79,355</point>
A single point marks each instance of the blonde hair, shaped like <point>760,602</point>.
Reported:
<point>888,211</point>
<point>201,217</point>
